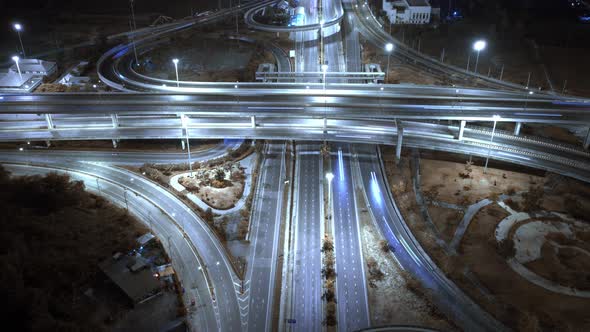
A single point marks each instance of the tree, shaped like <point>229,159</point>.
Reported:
<point>220,175</point>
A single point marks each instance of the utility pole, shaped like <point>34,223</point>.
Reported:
<point>528,81</point>
<point>133,27</point>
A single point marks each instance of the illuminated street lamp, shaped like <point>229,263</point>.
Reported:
<point>329,177</point>
<point>16,59</point>
<point>478,46</point>
<point>388,49</point>
<point>18,28</point>
<point>175,61</point>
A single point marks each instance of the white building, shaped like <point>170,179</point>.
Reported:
<point>35,66</point>
<point>407,11</point>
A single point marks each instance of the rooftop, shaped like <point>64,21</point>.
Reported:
<point>12,82</point>
<point>136,285</point>
<point>34,65</point>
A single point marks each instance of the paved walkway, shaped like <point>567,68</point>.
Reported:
<point>528,240</point>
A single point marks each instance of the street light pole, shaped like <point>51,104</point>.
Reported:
<point>476,62</point>
<point>329,177</point>
<point>18,29</point>
<point>322,61</point>
<point>175,61</point>
<point>16,59</point>
<point>133,28</point>
<point>184,120</point>
<point>388,49</point>
<point>478,46</point>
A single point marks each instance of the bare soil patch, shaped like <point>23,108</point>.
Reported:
<point>219,187</point>
<point>509,297</point>
<point>452,183</point>
<point>394,297</point>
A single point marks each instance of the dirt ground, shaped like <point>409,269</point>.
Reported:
<point>518,53</point>
<point>391,300</point>
<point>206,57</point>
<point>221,195</point>
<point>477,186</point>
<point>489,279</point>
<point>398,72</point>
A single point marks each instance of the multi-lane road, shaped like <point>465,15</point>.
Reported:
<point>313,111</point>
<point>306,288</point>
<point>351,288</point>
<point>266,219</point>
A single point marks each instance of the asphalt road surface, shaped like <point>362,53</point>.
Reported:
<point>266,220</point>
<point>351,290</point>
<point>307,306</point>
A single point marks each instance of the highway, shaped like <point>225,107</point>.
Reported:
<point>351,288</point>
<point>314,111</point>
<point>186,228</point>
<point>333,12</point>
<point>564,159</point>
<point>266,220</point>
<point>306,303</point>
<point>394,103</point>
<point>131,158</point>
<point>408,252</point>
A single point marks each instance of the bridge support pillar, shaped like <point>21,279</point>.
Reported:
<point>462,129</point>
<point>115,120</point>
<point>50,126</point>
<point>49,121</point>
<point>517,128</point>
<point>182,144</point>
<point>587,140</point>
<point>398,146</point>
<point>253,121</point>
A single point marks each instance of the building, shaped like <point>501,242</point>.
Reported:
<point>132,275</point>
<point>408,11</point>
<point>35,66</point>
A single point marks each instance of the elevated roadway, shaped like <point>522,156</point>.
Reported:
<point>370,104</point>
<point>332,10</point>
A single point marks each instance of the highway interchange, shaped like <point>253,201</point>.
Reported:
<point>307,112</point>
